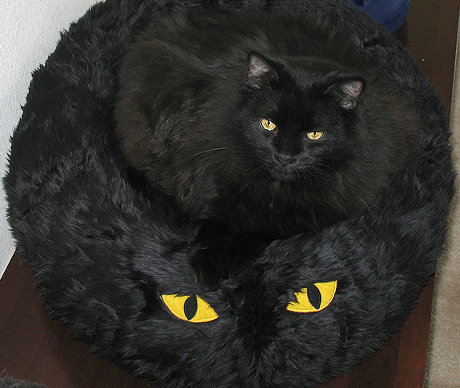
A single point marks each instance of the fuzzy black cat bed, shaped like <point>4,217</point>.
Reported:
<point>113,267</point>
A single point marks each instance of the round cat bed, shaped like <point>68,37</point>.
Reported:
<point>112,264</point>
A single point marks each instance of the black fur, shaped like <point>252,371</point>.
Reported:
<point>103,247</point>
<point>6,382</point>
<point>194,89</point>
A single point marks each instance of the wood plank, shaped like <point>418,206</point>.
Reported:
<point>339,382</point>
<point>431,40</point>
<point>378,370</point>
<point>414,343</point>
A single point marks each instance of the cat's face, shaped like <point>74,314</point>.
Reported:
<point>300,124</point>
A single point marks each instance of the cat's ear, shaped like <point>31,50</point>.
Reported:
<point>260,71</point>
<point>347,92</point>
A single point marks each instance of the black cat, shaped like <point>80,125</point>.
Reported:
<point>260,126</point>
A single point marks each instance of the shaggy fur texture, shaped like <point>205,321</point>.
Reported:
<point>102,250</point>
<point>13,383</point>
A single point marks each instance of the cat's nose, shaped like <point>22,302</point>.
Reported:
<point>287,147</point>
<point>284,159</point>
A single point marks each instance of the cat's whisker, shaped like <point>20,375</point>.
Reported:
<point>365,203</point>
<point>317,174</point>
<point>205,152</point>
<point>371,206</point>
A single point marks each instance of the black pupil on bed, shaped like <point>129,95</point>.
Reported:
<point>190,307</point>
<point>314,296</point>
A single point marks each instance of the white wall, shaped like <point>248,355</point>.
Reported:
<point>29,31</point>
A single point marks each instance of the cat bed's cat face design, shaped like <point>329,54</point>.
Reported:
<point>192,308</point>
<point>112,264</point>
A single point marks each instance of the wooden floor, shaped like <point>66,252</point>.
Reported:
<point>35,348</point>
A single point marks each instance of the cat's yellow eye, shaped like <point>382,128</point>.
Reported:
<point>190,308</point>
<point>316,135</point>
<point>268,125</point>
<point>304,305</point>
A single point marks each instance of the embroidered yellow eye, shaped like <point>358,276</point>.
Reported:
<point>268,125</point>
<point>305,304</point>
<point>190,308</point>
<point>316,135</point>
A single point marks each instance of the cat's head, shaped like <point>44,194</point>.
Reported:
<point>298,116</point>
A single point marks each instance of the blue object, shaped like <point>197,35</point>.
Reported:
<point>390,13</point>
